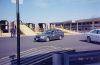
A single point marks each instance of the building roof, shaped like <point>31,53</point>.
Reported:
<point>89,20</point>
<point>70,21</point>
<point>83,20</point>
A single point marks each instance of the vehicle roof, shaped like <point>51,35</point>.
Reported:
<point>53,29</point>
<point>96,29</point>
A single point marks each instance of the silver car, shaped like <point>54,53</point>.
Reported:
<point>93,35</point>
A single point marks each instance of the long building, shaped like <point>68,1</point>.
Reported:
<point>84,25</point>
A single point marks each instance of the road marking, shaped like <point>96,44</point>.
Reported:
<point>4,58</point>
<point>43,59</point>
<point>44,49</point>
<point>27,51</point>
<point>23,52</point>
<point>38,50</point>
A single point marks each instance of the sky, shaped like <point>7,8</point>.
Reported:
<point>46,11</point>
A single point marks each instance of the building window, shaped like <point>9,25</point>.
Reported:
<point>96,22</point>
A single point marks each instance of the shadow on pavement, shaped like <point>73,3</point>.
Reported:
<point>83,40</point>
<point>46,59</point>
<point>41,59</point>
<point>98,43</point>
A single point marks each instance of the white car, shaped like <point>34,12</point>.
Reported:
<point>93,35</point>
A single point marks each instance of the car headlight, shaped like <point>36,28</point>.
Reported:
<point>42,37</point>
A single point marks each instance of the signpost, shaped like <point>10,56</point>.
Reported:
<point>18,32</point>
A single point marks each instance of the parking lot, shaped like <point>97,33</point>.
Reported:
<point>8,46</point>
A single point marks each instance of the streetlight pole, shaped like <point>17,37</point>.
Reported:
<point>18,32</point>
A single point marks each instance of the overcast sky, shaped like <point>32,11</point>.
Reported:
<point>50,10</point>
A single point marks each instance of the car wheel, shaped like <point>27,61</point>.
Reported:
<point>88,39</point>
<point>60,37</point>
<point>47,39</point>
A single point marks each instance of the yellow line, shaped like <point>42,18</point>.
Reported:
<point>36,51</point>
<point>20,52</point>
<point>34,48</point>
<point>27,51</point>
<point>4,58</point>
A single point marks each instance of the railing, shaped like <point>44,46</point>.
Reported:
<point>76,58</point>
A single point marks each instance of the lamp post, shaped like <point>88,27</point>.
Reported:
<point>18,32</point>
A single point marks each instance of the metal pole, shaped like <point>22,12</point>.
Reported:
<point>18,32</point>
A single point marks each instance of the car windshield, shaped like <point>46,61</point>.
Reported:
<point>47,32</point>
<point>94,31</point>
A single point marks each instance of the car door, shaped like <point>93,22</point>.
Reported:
<point>93,35</point>
<point>98,36</point>
<point>57,34</point>
<point>53,35</point>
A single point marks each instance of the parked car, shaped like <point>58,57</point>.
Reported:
<point>93,35</point>
<point>51,34</point>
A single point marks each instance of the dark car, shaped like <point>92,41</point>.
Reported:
<point>48,35</point>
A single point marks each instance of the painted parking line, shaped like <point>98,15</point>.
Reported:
<point>33,52</point>
<point>24,52</point>
<point>27,52</point>
<point>30,50</point>
<point>50,56</point>
<point>21,53</point>
<point>7,58</point>
<point>26,55</point>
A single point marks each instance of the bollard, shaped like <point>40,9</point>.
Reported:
<point>57,59</point>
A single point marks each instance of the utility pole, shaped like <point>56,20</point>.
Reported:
<point>18,32</point>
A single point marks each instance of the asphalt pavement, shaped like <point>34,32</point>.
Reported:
<point>8,46</point>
